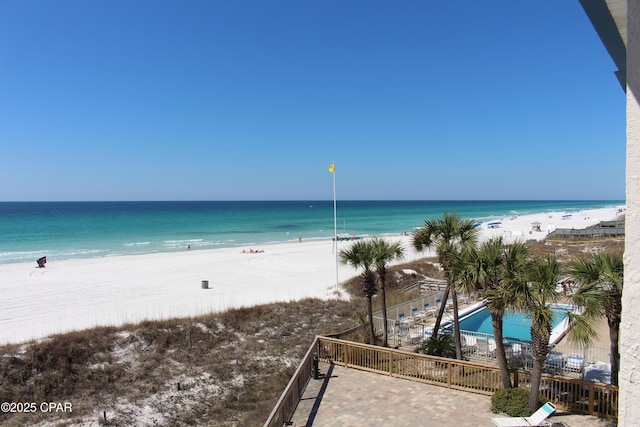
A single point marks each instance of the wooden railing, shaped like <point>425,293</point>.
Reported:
<point>579,396</point>
<point>596,399</point>
<point>286,405</point>
<point>356,334</point>
<point>588,233</point>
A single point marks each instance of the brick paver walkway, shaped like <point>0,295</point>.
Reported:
<point>349,397</point>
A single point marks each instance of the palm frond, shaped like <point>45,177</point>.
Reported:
<point>582,329</point>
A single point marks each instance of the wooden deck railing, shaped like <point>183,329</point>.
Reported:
<point>286,405</point>
<point>596,399</point>
<point>579,396</point>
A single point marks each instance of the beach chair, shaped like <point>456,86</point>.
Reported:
<point>428,311</point>
<point>537,419</point>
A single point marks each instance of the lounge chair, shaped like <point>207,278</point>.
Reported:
<point>428,311</point>
<point>483,347</point>
<point>537,419</point>
<point>575,363</point>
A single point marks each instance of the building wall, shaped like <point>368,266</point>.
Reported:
<point>629,379</point>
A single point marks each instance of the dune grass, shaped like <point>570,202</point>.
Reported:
<point>221,369</point>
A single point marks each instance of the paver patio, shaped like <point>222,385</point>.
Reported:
<point>350,397</point>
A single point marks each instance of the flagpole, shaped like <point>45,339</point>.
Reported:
<point>332,169</point>
<point>335,222</point>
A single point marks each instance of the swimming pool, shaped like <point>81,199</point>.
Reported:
<point>514,325</point>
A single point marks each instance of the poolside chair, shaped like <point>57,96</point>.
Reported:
<point>575,363</point>
<point>405,320</point>
<point>482,346</point>
<point>428,311</point>
<point>537,419</point>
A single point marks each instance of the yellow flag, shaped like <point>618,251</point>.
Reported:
<point>332,168</point>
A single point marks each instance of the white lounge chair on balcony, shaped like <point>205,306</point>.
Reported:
<point>537,419</point>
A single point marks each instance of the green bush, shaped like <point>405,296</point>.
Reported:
<point>442,346</point>
<point>511,401</point>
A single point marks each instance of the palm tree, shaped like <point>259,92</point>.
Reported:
<point>361,255</point>
<point>534,297</point>
<point>601,277</point>
<point>493,269</point>
<point>383,253</point>
<point>447,235</point>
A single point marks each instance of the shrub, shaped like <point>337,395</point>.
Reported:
<point>441,345</point>
<point>511,401</point>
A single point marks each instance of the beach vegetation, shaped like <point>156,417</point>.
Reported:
<point>492,270</point>
<point>384,253</point>
<point>534,296</point>
<point>600,278</point>
<point>219,369</point>
<point>438,345</point>
<point>447,235</point>
<point>361,255</point>
<point>513,402</point>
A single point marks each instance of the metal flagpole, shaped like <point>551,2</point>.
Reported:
<point>332,169</point>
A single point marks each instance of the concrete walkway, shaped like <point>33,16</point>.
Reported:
<point>349,397</point>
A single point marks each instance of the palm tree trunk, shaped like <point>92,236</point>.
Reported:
<point>372,334</point>
<point>456,325</point>
<point>445,296</point>
<point>539,349</point>
<point>614,333</point>
<point>496,321</point>
<point>536,375</point>
<point>385,327</point>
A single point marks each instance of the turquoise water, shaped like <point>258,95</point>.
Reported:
<point>515,325</point>
<point>66,230</point>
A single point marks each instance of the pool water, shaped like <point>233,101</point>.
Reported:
<point>515,325</point>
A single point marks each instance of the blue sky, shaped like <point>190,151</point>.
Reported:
<point>253,99</point>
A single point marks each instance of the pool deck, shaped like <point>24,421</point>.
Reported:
<point>348,397</point>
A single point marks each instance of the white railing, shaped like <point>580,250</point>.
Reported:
<point>590,363</point>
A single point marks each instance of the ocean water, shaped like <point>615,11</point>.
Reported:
<point>67,230</point>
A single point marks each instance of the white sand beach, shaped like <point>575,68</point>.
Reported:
<point>77,294</point>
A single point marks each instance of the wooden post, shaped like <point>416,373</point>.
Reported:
<point>346,354</point>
